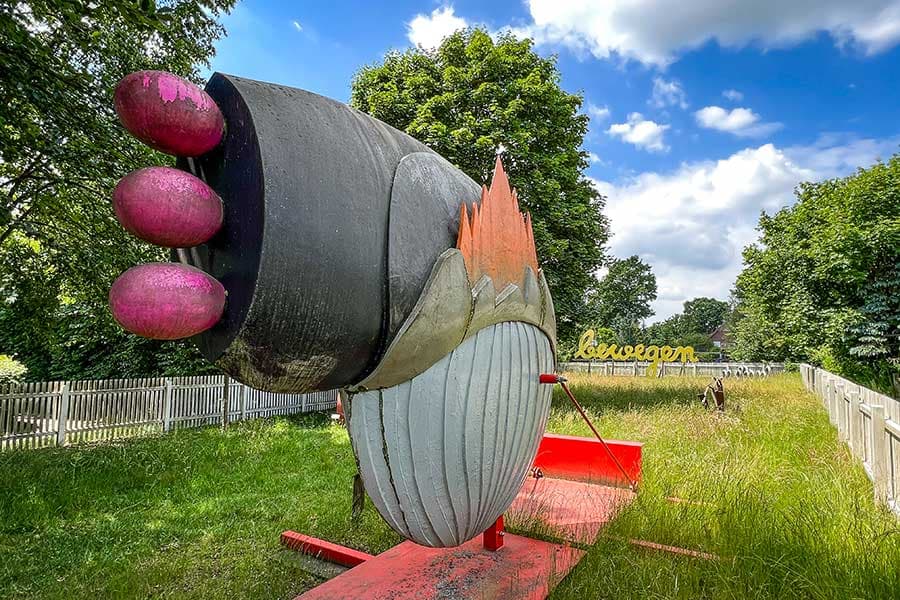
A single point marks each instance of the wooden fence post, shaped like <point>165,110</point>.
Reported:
<point>838,405</point>
<point>243,402</point>
<point>63,414</point>
<point>841,412</point>
<point>226,404</point>
<point>879,453</point>
<point>835,397</point>
<point>829,399</point>
<point>167,406</point>
<point>855,426</point>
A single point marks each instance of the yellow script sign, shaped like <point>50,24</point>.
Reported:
<point>588,348</point>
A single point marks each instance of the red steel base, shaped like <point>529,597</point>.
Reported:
<point>341,555</point>
<point>492,538</point>
<point>497,565</point>
<point>571,511</point>
<point>523,569</point>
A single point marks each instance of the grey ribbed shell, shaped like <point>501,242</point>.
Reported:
<point>444,454</point>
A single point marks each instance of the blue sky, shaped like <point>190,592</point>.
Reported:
<point>703,112</point>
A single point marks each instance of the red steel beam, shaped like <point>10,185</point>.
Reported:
<point>585,459</point>
<point>492,538</point>
<point>335,553</point>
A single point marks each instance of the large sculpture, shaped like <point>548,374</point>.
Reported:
<point>318,248</point>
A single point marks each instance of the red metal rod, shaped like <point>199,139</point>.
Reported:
<point>323,549</point>
<point>552,378</point>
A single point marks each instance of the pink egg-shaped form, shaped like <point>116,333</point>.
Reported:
<point>166,301</point>
<point>167,207</point>
<point>168,113</point>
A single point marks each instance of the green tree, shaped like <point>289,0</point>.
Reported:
<point>692,326</point>
<point>667,332</point>
<point>703,315</point>
<point>698,341</point>
<point>823,283</point>
<point>472,96</point>
<point>61,153</point>
<point>621,299</point>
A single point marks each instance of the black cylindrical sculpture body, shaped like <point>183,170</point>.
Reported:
<point>316,285</point>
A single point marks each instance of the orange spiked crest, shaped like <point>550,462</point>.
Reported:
<point>497,240</point>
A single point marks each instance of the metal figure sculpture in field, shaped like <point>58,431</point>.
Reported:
<point>318,248</point>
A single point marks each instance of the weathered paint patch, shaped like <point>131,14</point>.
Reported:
<point>167,207</point>
<point>168,113</point>
<point>166,301</point>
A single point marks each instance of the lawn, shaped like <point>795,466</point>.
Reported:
<point>197,513</point>
<point>776,496</point>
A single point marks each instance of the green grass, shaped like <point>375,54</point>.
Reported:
<point>198,513</point>
<point>194,514</point>
<point>785,506</point>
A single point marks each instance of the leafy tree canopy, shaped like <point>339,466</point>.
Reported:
<point>666,332</point>
<point>621,299</point>
<point>473,96</point>
<point>61,153</point>
<point>691,327</point>
<point>823,283</point>
<point>703,315</point>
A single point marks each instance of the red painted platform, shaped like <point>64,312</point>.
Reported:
<point>573,511</point>
<point>523,569</point>
<point>563,504</point>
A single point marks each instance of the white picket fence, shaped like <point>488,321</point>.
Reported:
<point>868,422</point>
<point>697,369</point>
<point>49,413</point>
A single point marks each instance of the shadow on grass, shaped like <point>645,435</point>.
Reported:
<point>189,514</point>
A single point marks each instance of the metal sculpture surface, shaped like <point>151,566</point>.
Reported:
<point>319,248</point>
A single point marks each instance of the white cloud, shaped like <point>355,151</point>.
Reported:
<point>598,113</point>
<point>594,159</point>
<point>733,95</point>
<point>428,31</point>
<point>667,93</point>
<point>642,133</point>
<point>297,25</point>
<point>655,32</point>
<point>741,122</point>
<point>692,224</point>
<point>836,156</point>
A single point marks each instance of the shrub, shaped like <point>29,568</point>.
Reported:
<point>11,370</point>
